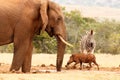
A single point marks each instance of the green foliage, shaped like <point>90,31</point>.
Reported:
<point>44,44</point>
<point>6,48</point>
<point>107,35</point>
<point>114,47</point>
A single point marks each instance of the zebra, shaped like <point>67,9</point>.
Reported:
<point>88,43</point>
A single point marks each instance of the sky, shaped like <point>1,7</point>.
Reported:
<point>94,8</point>
<point>101,3</point>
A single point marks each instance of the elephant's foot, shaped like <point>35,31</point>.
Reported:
<point>14,71</point>
<point>58,69</point>
<point>26,65</point>
<point>26,69</point>
<point>14,68</point>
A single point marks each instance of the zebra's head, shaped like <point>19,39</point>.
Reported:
<point>90,41</point>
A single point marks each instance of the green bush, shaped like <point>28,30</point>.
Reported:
<point>45,44</point>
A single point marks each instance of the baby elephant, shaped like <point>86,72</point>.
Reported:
<point>83,58</point>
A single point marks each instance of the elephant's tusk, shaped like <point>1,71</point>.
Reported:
<point>65,41</point>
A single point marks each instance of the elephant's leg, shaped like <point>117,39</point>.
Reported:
<point>27,61</point>
<point>21,45</point>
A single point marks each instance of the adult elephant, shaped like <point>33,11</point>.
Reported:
<point>20,20</point>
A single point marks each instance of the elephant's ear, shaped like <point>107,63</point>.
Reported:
<point>43,13</point>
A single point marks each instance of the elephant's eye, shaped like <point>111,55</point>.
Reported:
<point>59,18</point>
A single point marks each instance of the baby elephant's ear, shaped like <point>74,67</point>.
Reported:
<point>43,13</point>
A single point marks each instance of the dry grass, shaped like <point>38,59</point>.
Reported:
<point>109,69</point>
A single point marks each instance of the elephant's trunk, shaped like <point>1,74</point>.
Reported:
<point>60,52</point>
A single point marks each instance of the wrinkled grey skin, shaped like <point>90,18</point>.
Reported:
<point>20,20</point>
